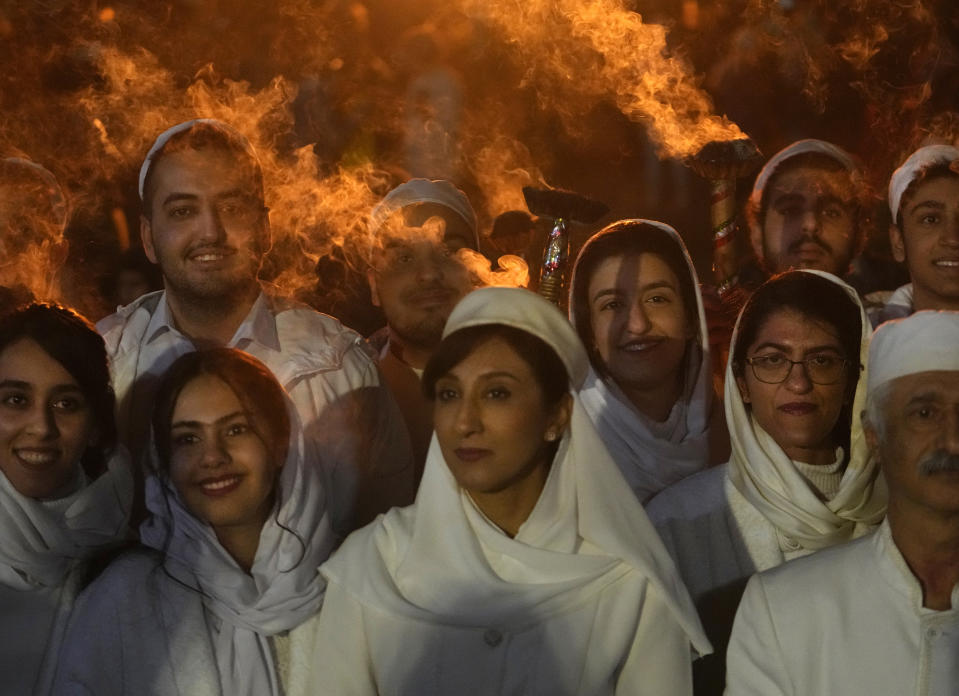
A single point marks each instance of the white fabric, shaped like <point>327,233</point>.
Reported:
<point>441,565</point>
<point>139,632</point>
<point>922,342</point>
<point>165,136</point>
<point>921,159</point>
<point>234,614</point>
<point>766,476</point>
<point>649,460</point>
<point>348,415</point>
<point>43,546</point>
<point>800,147</point>
<point>437,191</point>
<point>897,305</point>
<point>848,620</point>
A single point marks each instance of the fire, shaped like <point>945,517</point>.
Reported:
<point>513,271</point>
<point>582,52</point>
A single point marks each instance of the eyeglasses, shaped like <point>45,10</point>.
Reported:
<point>821,369</point>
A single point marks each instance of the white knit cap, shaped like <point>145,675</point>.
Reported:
<point>437,191</point>
<point>922,342</point>
<point>800,147</point>
<point>921,159</point>
<point>165,136</point>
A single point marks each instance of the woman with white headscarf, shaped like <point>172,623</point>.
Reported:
<point>798,480</point>
<point>636,304</point>
<point>525,564</point>
<point>65,488</point>
<point>221,600</point>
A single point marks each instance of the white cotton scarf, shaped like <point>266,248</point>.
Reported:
<point>283,588</point>
<point>649,461</point>
<point>441,561</point>
<point>40,543</point>
<point>767,477</point>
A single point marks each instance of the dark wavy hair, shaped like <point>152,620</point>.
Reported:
<point>73,342</point>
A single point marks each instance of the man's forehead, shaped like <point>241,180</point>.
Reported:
<point>942,383</point>
<point>810,180</point>
<point>209,170</point>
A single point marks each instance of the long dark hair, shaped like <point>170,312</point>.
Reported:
<point>73,342</point>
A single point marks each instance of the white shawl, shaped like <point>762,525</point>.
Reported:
<point>283,588</point>
<point>442,561</point>
<point>649,461</point>
<point>40,543</point>
<point>765,475</point>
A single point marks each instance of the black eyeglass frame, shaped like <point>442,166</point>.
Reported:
<point>844,363</point>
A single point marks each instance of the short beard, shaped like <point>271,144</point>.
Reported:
<point>212,299</point>
<point>938,462</point>
<point>425,335</point>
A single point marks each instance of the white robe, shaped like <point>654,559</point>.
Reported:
<point>848,620</point>
<point>43,549</point>
<point>436,599</point>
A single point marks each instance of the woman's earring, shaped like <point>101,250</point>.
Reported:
<point>550,435</point>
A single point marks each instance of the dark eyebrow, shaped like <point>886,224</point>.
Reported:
<point>830,199</point>
<point>176,197</point>
<point>14,384</point>
<point>927,397</point>
<point>642,288</point>
<point>936,205</point>
<point>785,349</point>
<point>198,424</point>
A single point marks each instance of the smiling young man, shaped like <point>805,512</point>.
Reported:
<point>924,202</point>
<point>879,615</point>
<point>206,225</point>
<point>416,277</point>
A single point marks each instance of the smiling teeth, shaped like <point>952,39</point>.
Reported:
<point>222,483</point>
<point>948,264</point>
<point>37,457</point>
<point>208,257</point>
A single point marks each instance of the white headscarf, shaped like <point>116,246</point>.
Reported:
<point>921,159</point>
<point>649,461</point>
<point>922,342</point>
<point>431,561</point>
<point>283,588</point>
<point>438,191</point>
<point>767,477</point>
<point>41,541</point>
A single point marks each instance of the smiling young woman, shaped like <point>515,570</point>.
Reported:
<point>636,305</point>
<point>221,599</point>
<point>526,564</point>
<point>798,479</point>
<point>65,491</point>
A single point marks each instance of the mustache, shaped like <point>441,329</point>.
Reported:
<point>938,462</point>
<point>810,239</point>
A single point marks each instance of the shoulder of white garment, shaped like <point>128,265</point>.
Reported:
<point>317,339</point>
<point>689,498</point>
<point>126,326</point>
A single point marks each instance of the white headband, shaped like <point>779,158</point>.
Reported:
<point>922,342</point>
<point>921,159</point>
<point>165,136</point>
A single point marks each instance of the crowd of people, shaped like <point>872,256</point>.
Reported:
<point>217,490</point>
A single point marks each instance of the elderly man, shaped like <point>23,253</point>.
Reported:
<point>924,203</point>
<point>879,615</point>
<point>416,277</point>
<point>205,224</point>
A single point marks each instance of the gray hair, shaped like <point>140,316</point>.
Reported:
<point>874,415</point>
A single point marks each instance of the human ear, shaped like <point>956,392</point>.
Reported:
<point>146,238</point>
<point>743,389</point>
<point>374,294</point>
<point>897,243</point>
<point>560,419</point>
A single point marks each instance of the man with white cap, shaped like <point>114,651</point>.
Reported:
<point>879,615</point>
<point>924,203</point>
<point>806,209</point>
<point>206,225</point>
<point>416,277</point>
